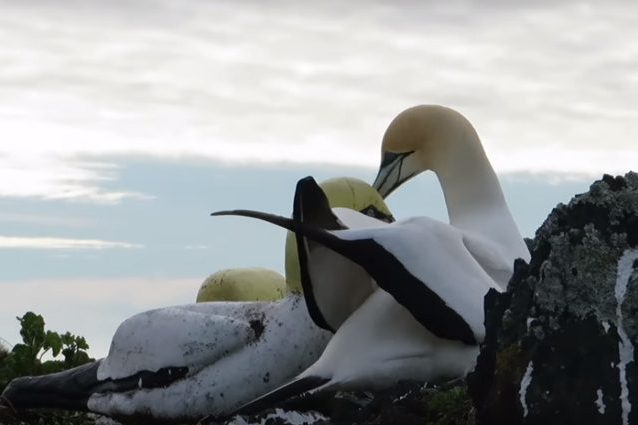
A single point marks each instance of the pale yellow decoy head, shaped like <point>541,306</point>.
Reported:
<point>243,284</point>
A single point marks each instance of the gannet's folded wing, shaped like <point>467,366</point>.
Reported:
<point>425,266</point>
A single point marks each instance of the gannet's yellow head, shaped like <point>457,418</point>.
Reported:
<point>242,284</point>
<point>421,138</point>
<point>343,192</point>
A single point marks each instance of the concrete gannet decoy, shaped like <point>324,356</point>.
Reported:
<point>430,271</point>
<point>193,360</point>
<point>242,284</point>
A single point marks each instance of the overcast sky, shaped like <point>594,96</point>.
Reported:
<point>551,87</point>
<point>111,110</point>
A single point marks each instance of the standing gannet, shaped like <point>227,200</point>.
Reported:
<point>426,320</point>
<point>201,359</point>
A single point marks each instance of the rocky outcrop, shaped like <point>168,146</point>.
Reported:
<point>559,347</point>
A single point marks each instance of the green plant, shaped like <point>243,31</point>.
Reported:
<point>450,406</point>
<point>26,358</point>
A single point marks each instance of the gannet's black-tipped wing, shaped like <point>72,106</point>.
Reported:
<point>325,273</point>
<point>71,389</point>
<point>434,309</point>
<point>312,206</point>
<point>291,389</point>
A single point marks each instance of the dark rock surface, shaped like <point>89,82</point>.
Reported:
<point>559,343</point>
<point>404,404</point>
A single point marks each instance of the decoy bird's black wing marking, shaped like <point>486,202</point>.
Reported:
<point>414,294</point>
<point>71,389</point>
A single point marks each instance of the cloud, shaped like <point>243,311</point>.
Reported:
<point>19,242</point>
<point>548,85</point>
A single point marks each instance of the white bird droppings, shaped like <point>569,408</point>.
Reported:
<point>290,418</point>
<point>625,348</point>
<point>522,392</point>
<point>599,401</point>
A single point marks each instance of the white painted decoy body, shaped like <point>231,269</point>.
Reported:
<point>189,361</point>
<point>426,319</point>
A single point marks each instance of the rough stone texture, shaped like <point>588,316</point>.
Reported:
<point>404,404</point>
<point>553,342</point>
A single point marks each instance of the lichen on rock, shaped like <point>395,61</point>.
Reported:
<point>561,313</point>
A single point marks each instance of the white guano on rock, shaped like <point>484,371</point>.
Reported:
<point>600,404</point>
<point>625,347</point>
<point>522,392</point>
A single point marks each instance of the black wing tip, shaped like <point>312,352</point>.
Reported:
<point>69,389</point>
<point>294,388</point>
<point>220,213</point>
<point>231,212</point>
<point>307,181</point>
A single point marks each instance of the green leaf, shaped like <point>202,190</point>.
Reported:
<point>81,343</point>
<point>67,338</point>
<point>32,330</point>
<point>25,359</point>
<point>53,341</point>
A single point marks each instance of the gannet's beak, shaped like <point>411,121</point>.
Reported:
<point>392,173</point>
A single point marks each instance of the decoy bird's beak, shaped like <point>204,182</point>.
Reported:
<point>392,173</point>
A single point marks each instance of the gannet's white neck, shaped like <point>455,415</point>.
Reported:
<point>468,182</point>
<point>473,194</point>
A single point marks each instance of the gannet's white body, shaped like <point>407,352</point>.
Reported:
<point>426,319</point>
<point>194,360</point>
